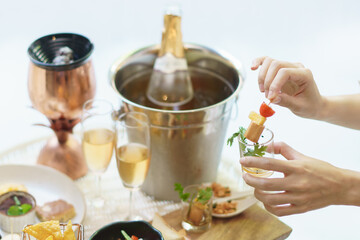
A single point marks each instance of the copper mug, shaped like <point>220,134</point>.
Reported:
<point>59,92</point>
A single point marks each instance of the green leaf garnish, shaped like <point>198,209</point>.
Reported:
<point>241,132</point>
<point>183,196</point>
<point>14,211</point>
<point>18,208</point>
<point>256,152</point>
<point>26,207</point>
<point>126,236</point>
<point>202,196</point>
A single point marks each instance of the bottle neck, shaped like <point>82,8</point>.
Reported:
<point>171,37</point>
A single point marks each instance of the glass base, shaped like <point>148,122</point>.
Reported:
<point>257,172</point>
<point>195,229</point>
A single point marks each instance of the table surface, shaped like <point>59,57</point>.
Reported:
<point>323,35</point>
<point>255,222</point>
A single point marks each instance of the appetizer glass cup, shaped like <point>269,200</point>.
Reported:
<point>196,216</point>
<point>264,145</point>
<point>98,138</point>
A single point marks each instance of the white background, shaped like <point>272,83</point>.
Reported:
<point>323,35</point>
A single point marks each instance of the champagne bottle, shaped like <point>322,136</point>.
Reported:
<point>170,85</point>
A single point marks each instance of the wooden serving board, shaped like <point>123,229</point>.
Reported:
<point>252,224</point>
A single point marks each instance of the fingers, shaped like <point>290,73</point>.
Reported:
<point>272,72</point>
<point>285,210</point>
<point>282,203</point>
<point>263,72</point>
<point>271,164</point>
<point>275,76</point>
<point>278,198</point>
<point>266,184</point>
<point>264,61</point>
<point>286,80</point>
<point>257,62</point>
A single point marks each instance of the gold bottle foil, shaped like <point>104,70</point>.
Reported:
<point>171,37</point>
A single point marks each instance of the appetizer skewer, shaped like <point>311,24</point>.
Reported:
<point>256,126</point>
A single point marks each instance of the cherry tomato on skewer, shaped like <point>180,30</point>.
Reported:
<point>266,111</point>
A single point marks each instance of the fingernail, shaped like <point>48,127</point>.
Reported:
<point>261,87</point>
<point>242,160</point>
<point>276,100</point>
<point>271,95</point>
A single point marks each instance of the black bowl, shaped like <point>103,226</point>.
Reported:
<point>43,50</point>
<point>140,229</point>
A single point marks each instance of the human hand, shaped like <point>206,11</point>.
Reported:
<point>290,85</point>
<point>307,184</point>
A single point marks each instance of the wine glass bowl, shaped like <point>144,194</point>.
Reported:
<point>133,152</point>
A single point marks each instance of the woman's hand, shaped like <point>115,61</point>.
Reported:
<point>307,184</point>
<point>289,85</point>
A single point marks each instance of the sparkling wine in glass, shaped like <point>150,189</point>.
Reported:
<point>98,139</point>
<point>133,153</point>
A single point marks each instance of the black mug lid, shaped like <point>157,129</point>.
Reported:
<point>43,50</point>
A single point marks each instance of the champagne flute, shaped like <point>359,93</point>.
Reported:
<point>133,153</point>
<point>98,135</point>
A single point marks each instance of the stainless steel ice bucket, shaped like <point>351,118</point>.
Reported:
<point>186,145</point>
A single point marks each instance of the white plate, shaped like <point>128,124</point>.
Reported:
<point>242,205</point>
<point>45,184</point>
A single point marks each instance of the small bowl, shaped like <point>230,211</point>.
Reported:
<point>16,223</point>
<point>141,229</point>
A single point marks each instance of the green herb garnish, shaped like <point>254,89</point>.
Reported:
<point>126,236</point>
<point>256,152</point>
<point>18,208</point>
<point>183,196</point>
<point>202,196</point>
<point>241,132</point>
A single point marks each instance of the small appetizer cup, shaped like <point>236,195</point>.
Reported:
<point>196,216</point>
<point>265,145</point>
<point>15,224</point>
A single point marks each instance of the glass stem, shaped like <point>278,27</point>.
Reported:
<point>98,186</point>
<point>131,205</point>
